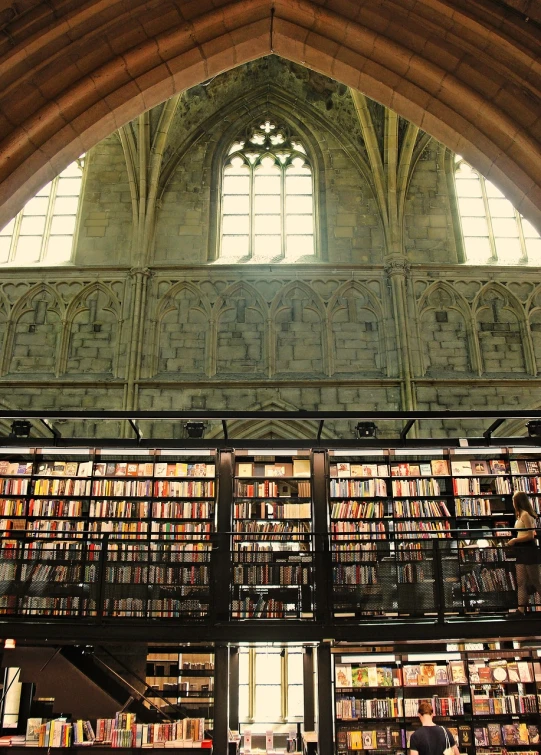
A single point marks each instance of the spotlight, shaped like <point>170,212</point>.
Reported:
<point>366,430</point>
<point>534,428</point>
<point>20,428</point>
<point>195,429</point>
<point>9,644</point>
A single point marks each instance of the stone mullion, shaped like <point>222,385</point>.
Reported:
<point>398,272</point>
<point>139,282</point>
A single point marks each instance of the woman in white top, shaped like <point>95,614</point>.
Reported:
<point>525,549</point>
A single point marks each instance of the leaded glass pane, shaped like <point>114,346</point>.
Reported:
<point>508,250</point>
<point>478,251</point>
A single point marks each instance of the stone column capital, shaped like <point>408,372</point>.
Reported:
<point>398,267</point>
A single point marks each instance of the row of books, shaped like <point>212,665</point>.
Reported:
<point>371,488</point>
<point>296,468</point>
<point>357,510</point>
<point>415,487</point>
<point>488,580</point>
<point>442,706</point>
<point>420,509</point>
<point>500,671</point>
<point>355,575</point>
<point>357,708</point>
<point>381,738</point>
<point>509,734</point>
<point>472,486</point>
<point>271,510</point>
<point>435,468</point>
<point>488,704</point>
<point>410,675</point>
<point>107,469</point>
<point>267,574</point>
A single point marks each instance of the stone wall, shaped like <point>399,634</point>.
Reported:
<point>183,331</point>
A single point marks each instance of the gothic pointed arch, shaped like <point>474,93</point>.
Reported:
<point>446,333</point>
<point>182,342</point>
<point>91,333</point>
<point>242,325</point>
<point>34,332</point>
<point>298,341</point>
<point>504,340</point>
<point>355,319</point>
<point>534,325</point>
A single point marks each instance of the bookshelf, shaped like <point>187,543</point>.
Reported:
<point>489,700</point>
<point>180,680</point>
<point>155,509</point>
<point>272,553</point>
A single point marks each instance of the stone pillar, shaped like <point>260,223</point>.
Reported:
<point>140,277</point>
<point>397,269</point>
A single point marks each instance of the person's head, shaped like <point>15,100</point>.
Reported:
<point>425,709</point>
<point>521,503</point>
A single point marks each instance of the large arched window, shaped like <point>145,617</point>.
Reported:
<point>493,231</point>
<point>267,208</point>
<point>44,229</point>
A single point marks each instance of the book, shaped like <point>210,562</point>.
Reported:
<point>457,672</point>
<point>425,470</point>
<point>411,675</point>
<point>442,677</point>
<point>524,671</point>
<point>71,468</point>
<point>465,735</point>
<point>480,467</point>
<point>510,734</point>
<point>414,470</point>
<point>480,736</point>
<point>428,670</point>
<point>440,468</point>
<point>301,467</point>
<point>515,468</point>
<point>274,470</point>
<point>369,740</point>
<point>356,470</point>
<point>497,466</point>
<point>32,730</point>
<point>121,468</point>
<point>523,734</point>
<point>131,470</point>
<point>494,734</point>
<point>512,672</point>
<point>343,675</point>
<point>369,470</point>
<point>461,468</point>
<point>533,734</point>
<point>160,469</point>
<point>343,469</point>
<point>532,466</point>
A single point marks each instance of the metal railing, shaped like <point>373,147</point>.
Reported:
<point>307,577</point>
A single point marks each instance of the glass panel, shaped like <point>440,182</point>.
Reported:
<point>268,667</point>
<point>236,204</point>
<point>236,184</point>
<point>295,701</point>
<point>45,191</point>
<point>533,247</point>
<point>505,227</point>
<point>298,184</point>
<point>28,249</point>
<point>300,204</point>
<point>235,247</point>
<point>33,226</point>
<point>300,224</point>
<point>478,251</point>
<point>7,230</point>
<point>509,251</point>
<point>298,246</point>
<point>36,206</point>
<point>69,187</point>
<point>267,204</point>
<point>501,208</point>
<point>236,224</point>
<point>72,171</point>
<point>492,191</point>
<point>5,243</point>
<point>468,188</point>
<point>474,227</point>
<point>528,230</point>
<point>66,205</point>
<point>59,249</point>
<point>267,224</point>
<point>243,702</point>
<point>471,207</point>
<point>244,666</point>
<point>267,184</point>
<point>267,703</point>
<point>268,247</point>
<point>63,224</point>
<point>294,668</point>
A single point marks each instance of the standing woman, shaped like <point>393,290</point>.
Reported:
<point>525,549</point>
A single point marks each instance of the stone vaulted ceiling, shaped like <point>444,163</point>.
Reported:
<point>465,71</point>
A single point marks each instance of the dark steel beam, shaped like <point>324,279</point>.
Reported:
<point>407,427</point>
<point>494,426</point>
